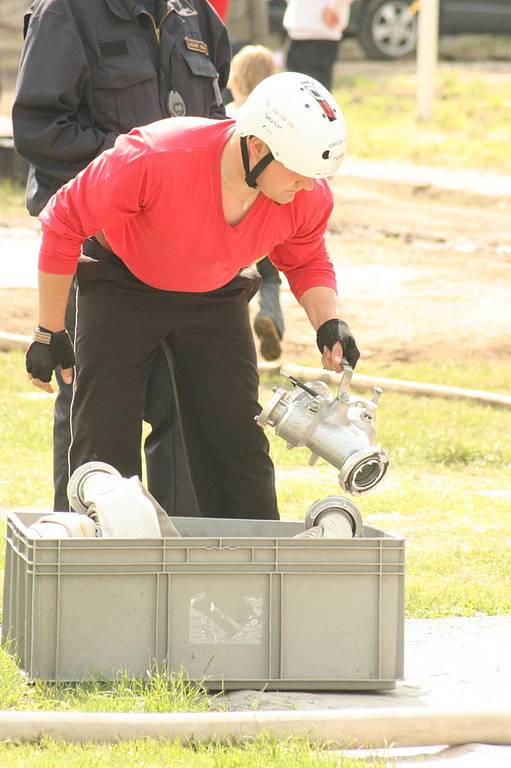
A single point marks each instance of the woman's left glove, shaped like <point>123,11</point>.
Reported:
<point>48,351</point>
<point>337,330</point>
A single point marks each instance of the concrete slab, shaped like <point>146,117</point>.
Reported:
<point>20,249</point>
<point>478,182</point>
<point>6,126</point>
<point>448,662</point>
<point>465,756</point>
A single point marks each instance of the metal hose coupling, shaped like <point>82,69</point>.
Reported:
<point>341,430</point>
<point>93,472</point>
<point>332,518</point>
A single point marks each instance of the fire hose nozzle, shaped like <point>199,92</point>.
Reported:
<point>340,430</point>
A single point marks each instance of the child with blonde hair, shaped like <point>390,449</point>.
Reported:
<point>251,65</point>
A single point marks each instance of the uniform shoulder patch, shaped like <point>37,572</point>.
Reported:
<point>196,45</point>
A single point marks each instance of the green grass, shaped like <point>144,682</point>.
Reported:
<point>158,693</point>
<point>491,375</point>
<point>469,125</point>
<point>420,431</point>
<point>263,752</point>
<point>446,492</point>
<point>26,434</point>
<point>432,432</point>
<point>458,553</point>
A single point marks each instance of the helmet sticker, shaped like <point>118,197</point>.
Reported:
<point>323,103</point>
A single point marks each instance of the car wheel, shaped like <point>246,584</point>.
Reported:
<point>388,29</point>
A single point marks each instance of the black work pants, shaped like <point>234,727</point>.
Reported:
<point>121,324</point>
<point>61,420</point>
<point>315,58</point>
<point>168,475</point>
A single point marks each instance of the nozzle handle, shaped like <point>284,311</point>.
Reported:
<point>345,382</point>
<point>298,383</point>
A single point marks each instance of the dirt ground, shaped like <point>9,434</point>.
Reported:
<point>423,273</point>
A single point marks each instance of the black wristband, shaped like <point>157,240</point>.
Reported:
<point>42,335</point>
<point>337,330</point>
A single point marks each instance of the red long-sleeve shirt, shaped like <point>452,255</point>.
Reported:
<point>157,197</point>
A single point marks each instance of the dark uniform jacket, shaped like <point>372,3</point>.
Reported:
<point>92,69</point>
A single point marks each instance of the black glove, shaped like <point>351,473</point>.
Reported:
<point>47,352</point>
<point>338,330</point>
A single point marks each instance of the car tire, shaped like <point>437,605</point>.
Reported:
<point>388,29</point>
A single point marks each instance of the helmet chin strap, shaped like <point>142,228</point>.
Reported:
<point>251,175</point>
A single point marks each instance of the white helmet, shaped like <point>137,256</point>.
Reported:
<point>299,120</point>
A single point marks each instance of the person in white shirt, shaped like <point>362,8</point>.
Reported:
<point>314,29</point>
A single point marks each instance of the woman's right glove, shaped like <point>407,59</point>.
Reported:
<point>48,351</point>
<point>337,330</point>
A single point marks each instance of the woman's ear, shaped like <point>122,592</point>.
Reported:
<point>258,148</point>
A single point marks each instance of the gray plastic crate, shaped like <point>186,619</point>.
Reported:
<point>234,603</point>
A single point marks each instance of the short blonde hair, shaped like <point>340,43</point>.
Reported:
<point>251,65</point>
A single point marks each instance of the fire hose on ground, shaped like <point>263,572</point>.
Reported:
<point>342,728</point>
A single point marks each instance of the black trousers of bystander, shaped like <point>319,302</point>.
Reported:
<point>315,58</point>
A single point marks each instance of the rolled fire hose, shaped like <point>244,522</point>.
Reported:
<point>63,525</point>
<point>121,506</point>
<point>367,728</point>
